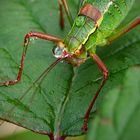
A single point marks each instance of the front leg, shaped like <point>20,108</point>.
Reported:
<point>26,42</point>
<point>104,71</point>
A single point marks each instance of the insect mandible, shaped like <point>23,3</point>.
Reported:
<point>93,26</point>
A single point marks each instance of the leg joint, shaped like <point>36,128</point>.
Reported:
<point>26,38</point>
<point>106,74</point>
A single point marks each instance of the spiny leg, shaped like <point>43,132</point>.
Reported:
<point>104,70</point>
<point>26,42</point>
<point>126,29</point>
<point>63,3</point>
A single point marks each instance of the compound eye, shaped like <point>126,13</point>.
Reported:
<point>58,52</point>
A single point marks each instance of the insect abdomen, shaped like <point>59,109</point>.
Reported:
<point>113,11</point>
<point>114,15</point>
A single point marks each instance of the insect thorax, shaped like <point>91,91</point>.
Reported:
<point>82,28</point>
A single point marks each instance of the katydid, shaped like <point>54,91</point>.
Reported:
<point>95,25</point>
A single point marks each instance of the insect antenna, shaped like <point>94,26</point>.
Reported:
<point>80,2</point>
<point>67,11</point>
<point>40,78</point>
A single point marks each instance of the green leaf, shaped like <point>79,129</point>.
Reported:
<point>119,113</point>
<point>57,105</point>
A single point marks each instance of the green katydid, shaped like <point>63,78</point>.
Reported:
<point>93,26</point>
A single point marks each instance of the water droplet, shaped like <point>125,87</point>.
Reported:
<point>58,52</point>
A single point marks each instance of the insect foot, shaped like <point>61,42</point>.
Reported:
<point>7,83</point>
<point>85,126</point>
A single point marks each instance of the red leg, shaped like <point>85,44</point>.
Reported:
<point>61,20</point>
<point>126,29</point>
<point>67,10</point>
<point>104,70</point>
<point>26,42</point>
<point>41,36</point>
<point>63,3</point>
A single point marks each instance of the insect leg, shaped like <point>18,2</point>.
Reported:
<point>104,70</point>
<point>61,15</point>
<point>26,42</point>
<point>36,83</point>
<point>126,29</point>
<point>63,3</point>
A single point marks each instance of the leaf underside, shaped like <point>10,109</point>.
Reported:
<point>59,103</point>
